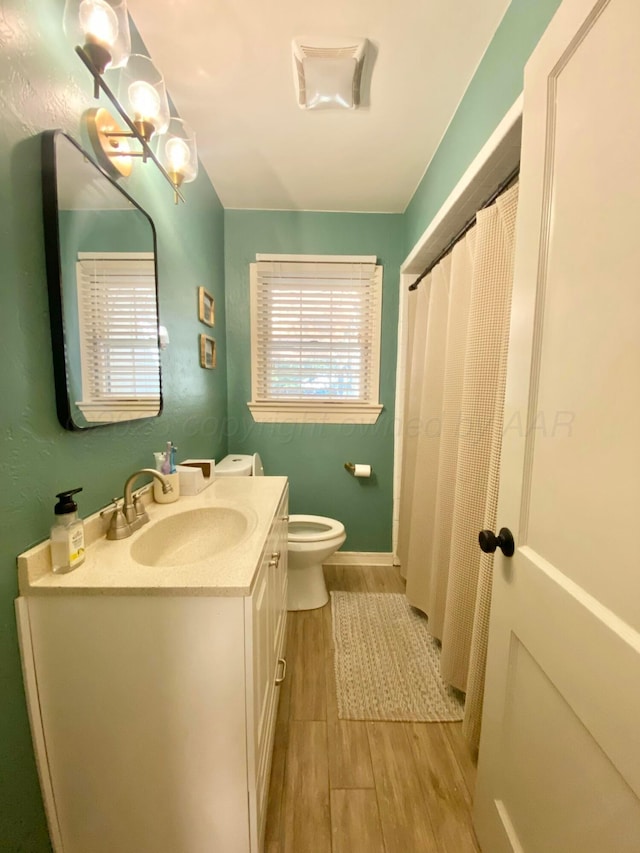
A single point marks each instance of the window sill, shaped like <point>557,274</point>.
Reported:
<point>314,413</point>
<point>96,413</point>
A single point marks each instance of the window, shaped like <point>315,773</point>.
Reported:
<point>118,323</point>
<point>315,339</point>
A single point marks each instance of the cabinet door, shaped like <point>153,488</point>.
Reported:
<point>262,651</point>
<point>260,689</point>
<point>142,705</point>
<point>265,634</point>
<point>279,577</point>
<point>269,616</point>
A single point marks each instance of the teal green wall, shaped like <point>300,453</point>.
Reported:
<point>494,88</point>
<point>43,85</point>
<point>312,455</point>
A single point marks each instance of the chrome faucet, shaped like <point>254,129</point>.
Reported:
<point>133,514</point>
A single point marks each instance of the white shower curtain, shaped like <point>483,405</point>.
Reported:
<point>459,327</point>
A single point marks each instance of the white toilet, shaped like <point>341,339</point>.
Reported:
<point>312,538</point>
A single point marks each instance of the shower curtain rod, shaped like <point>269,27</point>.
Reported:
<point>468,225</point>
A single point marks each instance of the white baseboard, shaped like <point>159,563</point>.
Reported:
<point>360,558</point>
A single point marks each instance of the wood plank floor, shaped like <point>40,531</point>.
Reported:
<point>343,786</point>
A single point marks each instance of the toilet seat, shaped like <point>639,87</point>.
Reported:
<point>313,528</point>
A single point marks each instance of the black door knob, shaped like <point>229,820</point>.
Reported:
<point>489,541</point>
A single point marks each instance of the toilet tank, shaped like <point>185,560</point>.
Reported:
<point>240,465</point>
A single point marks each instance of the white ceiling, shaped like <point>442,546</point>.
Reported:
<point>228,68</point>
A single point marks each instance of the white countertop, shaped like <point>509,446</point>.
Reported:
<point>109,569</point>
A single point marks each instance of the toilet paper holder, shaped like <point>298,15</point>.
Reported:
<point>351,468</point>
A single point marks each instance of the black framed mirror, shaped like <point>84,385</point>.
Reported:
<point>100,248</point>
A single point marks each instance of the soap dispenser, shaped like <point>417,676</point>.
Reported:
<point>67,534</point>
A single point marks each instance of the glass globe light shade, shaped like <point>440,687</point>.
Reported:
<point>101,27</point>
<point>178,153</point>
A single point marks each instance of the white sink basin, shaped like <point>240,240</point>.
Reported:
<point>191,536</point>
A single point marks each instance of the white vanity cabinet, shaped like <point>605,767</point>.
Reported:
<point>153,715</point>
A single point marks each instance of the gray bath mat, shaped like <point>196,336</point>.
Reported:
<point>386,662</point>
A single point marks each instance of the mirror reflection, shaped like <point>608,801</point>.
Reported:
<point>101,271</point>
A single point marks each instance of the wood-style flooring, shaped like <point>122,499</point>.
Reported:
<point>344,786</point>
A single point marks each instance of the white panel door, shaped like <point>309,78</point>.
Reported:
<point>559,765</point>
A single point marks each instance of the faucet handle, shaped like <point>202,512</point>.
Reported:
<point>141,513</point>
<point>110,509</point>
<point>119,527</point>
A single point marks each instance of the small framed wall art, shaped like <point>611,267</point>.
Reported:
<point>207,352</point>
<point>206,307</point>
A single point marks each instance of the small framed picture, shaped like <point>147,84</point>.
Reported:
<point>207,352</point>
<point>206,307</point>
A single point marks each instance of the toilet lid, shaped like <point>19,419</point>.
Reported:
<point>257,468</point>
<point>234,465</point>
<point>313,528</point>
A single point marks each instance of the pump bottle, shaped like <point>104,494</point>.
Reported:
<point>67,534</point>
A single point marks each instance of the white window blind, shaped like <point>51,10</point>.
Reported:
<point>316,332</point>
<point>118,333</point>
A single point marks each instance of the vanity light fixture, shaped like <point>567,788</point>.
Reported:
<point>103,27</point>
